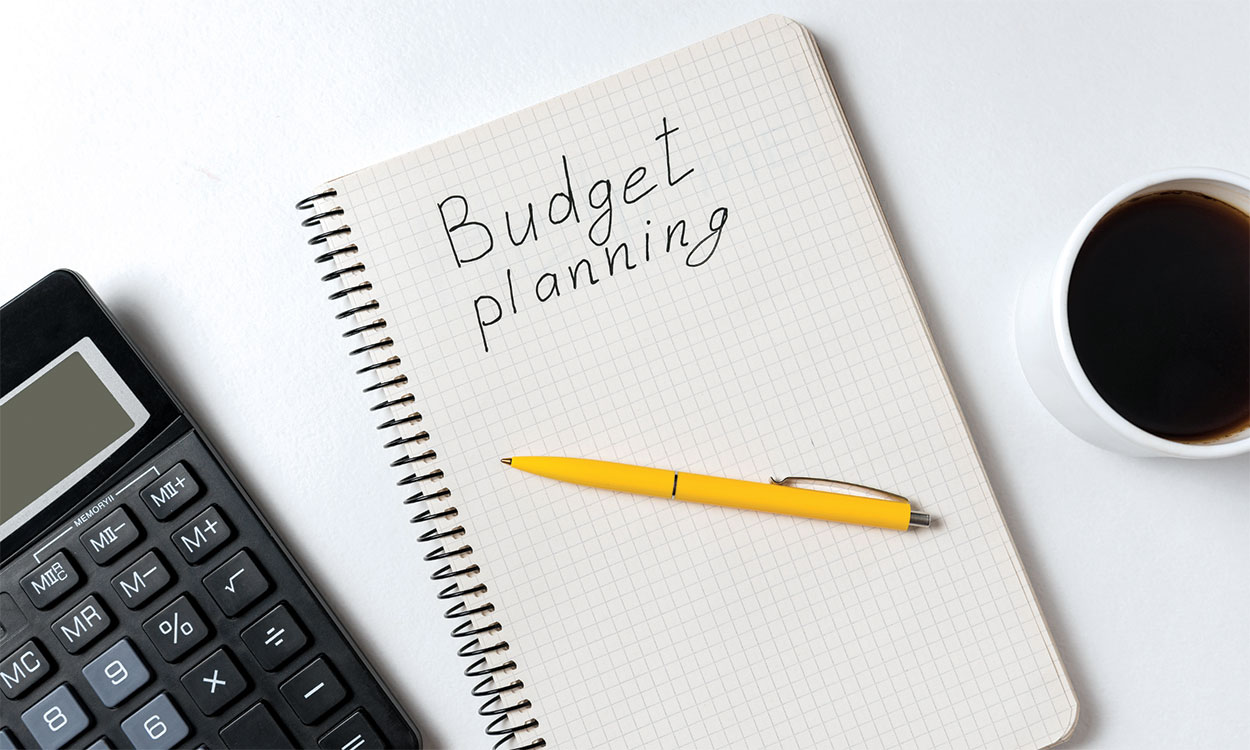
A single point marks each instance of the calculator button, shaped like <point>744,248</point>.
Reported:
<point>46,584</point>
<point>170,492</point>
<point>314,690</point>
<point>111,537</point>
<point>23,669</point>
<point>257,727</point>
<point>56,719</point>
<point>176,629</point>
<point>7,740</point>
<point>85,622</point>
<point>142,580</point>
<point>117,673</point>
<point>237,583</point>
<point>275,638</point>
<point>100,744</point>
<point>355,732</point>
<point>215,682</point>
<point>156,726</point>
<point>202,536</point>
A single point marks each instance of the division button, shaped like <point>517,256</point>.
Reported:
<point>170,492</point>
<point>176,629</point>
<point>275,638</point>
<point>56,719</point>
<point>355,732</point>
<point>111,537</point>
<point>156,726</point>
<point>215,682</point>
<point>237,583</point>
<point>257,727</point>
<point>142,580</point>
<point>53,579</point>
<point>314,690</point>
<point>85,622</point>
<point>202,536</point>
<point>23,669</point>
<point>117,673</point>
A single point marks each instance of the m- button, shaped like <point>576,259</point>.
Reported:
<point>170,492</point>
<point>205,533</point>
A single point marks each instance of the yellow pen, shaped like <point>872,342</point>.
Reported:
<point>883,510</point>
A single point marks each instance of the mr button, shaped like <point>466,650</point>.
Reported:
<point>171,490</point>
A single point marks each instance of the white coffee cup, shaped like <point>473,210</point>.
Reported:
<point>1044,341</point>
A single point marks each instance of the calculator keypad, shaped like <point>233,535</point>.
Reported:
<point>165,615</point>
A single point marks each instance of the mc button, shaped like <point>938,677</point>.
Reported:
<point>23,669</point>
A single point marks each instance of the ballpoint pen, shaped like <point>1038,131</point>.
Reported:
<point>872,508</point>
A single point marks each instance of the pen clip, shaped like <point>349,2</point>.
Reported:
<point>859,490</point>
<point>849,488</point>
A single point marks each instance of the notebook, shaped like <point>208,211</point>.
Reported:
<point>682,266</point>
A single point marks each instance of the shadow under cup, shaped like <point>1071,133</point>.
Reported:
<point>1159,314</point>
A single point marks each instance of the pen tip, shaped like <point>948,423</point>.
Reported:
<point>507,461</point>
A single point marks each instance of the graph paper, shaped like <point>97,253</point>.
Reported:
<point>708,285</point>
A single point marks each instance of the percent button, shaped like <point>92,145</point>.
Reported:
<point>176,629</point>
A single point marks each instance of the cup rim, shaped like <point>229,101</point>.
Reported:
<point>1059,307</point>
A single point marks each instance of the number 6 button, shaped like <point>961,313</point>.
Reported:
<point>156,726</point>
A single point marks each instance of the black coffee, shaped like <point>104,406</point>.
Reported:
<point>1159,310</point>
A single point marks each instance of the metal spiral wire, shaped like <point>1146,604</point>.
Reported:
<point>480,634</point>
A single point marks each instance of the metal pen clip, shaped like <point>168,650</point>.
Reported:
<point>861,490</point>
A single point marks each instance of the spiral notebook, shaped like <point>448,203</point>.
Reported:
<point>683,265</point>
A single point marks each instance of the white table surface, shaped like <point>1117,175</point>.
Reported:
<point>158,150</point>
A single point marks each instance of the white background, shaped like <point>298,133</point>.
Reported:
<point>158,149</point>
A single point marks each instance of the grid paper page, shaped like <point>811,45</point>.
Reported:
<point>781,338</point>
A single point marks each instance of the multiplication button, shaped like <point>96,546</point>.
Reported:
<point>275,638</point>
<point>215,682</point>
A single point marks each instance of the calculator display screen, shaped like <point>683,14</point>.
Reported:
<point>60,424</point>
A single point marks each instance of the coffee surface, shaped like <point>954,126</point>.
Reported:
<point>1159,311</point>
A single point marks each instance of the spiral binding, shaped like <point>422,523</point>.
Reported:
<point>481,641</point>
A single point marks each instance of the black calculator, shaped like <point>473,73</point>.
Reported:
<point>144,600</point>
